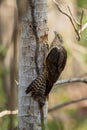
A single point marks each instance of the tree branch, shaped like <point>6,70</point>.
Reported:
<point>72,80</point>
<point>65,104</point>
<point>83,28</point>
<point>73,21</point>
<point>81,19</point>
<point>6,112</point>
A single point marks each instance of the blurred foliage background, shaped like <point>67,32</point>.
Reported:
<point>71,117</point>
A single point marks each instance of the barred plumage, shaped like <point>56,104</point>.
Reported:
<point>54,65</point>
<point>37,88</point>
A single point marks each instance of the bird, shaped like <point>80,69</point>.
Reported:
<point>55,62</point>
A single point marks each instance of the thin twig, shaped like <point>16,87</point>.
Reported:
<point>6,112</point>
<point>83,28</point>
<point>74,19</point>
<point>65,104</point>
<point>17,83</point>
<point>81,19</point>
<point>72,80</point>
<point>71,20</point>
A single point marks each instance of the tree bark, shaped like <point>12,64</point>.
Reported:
<point>32,50</point>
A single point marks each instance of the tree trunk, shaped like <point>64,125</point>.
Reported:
<point>32,50</point>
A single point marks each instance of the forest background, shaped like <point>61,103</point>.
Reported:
<point>71,117</point>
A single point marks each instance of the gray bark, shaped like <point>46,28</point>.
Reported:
<point>32,51</point>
